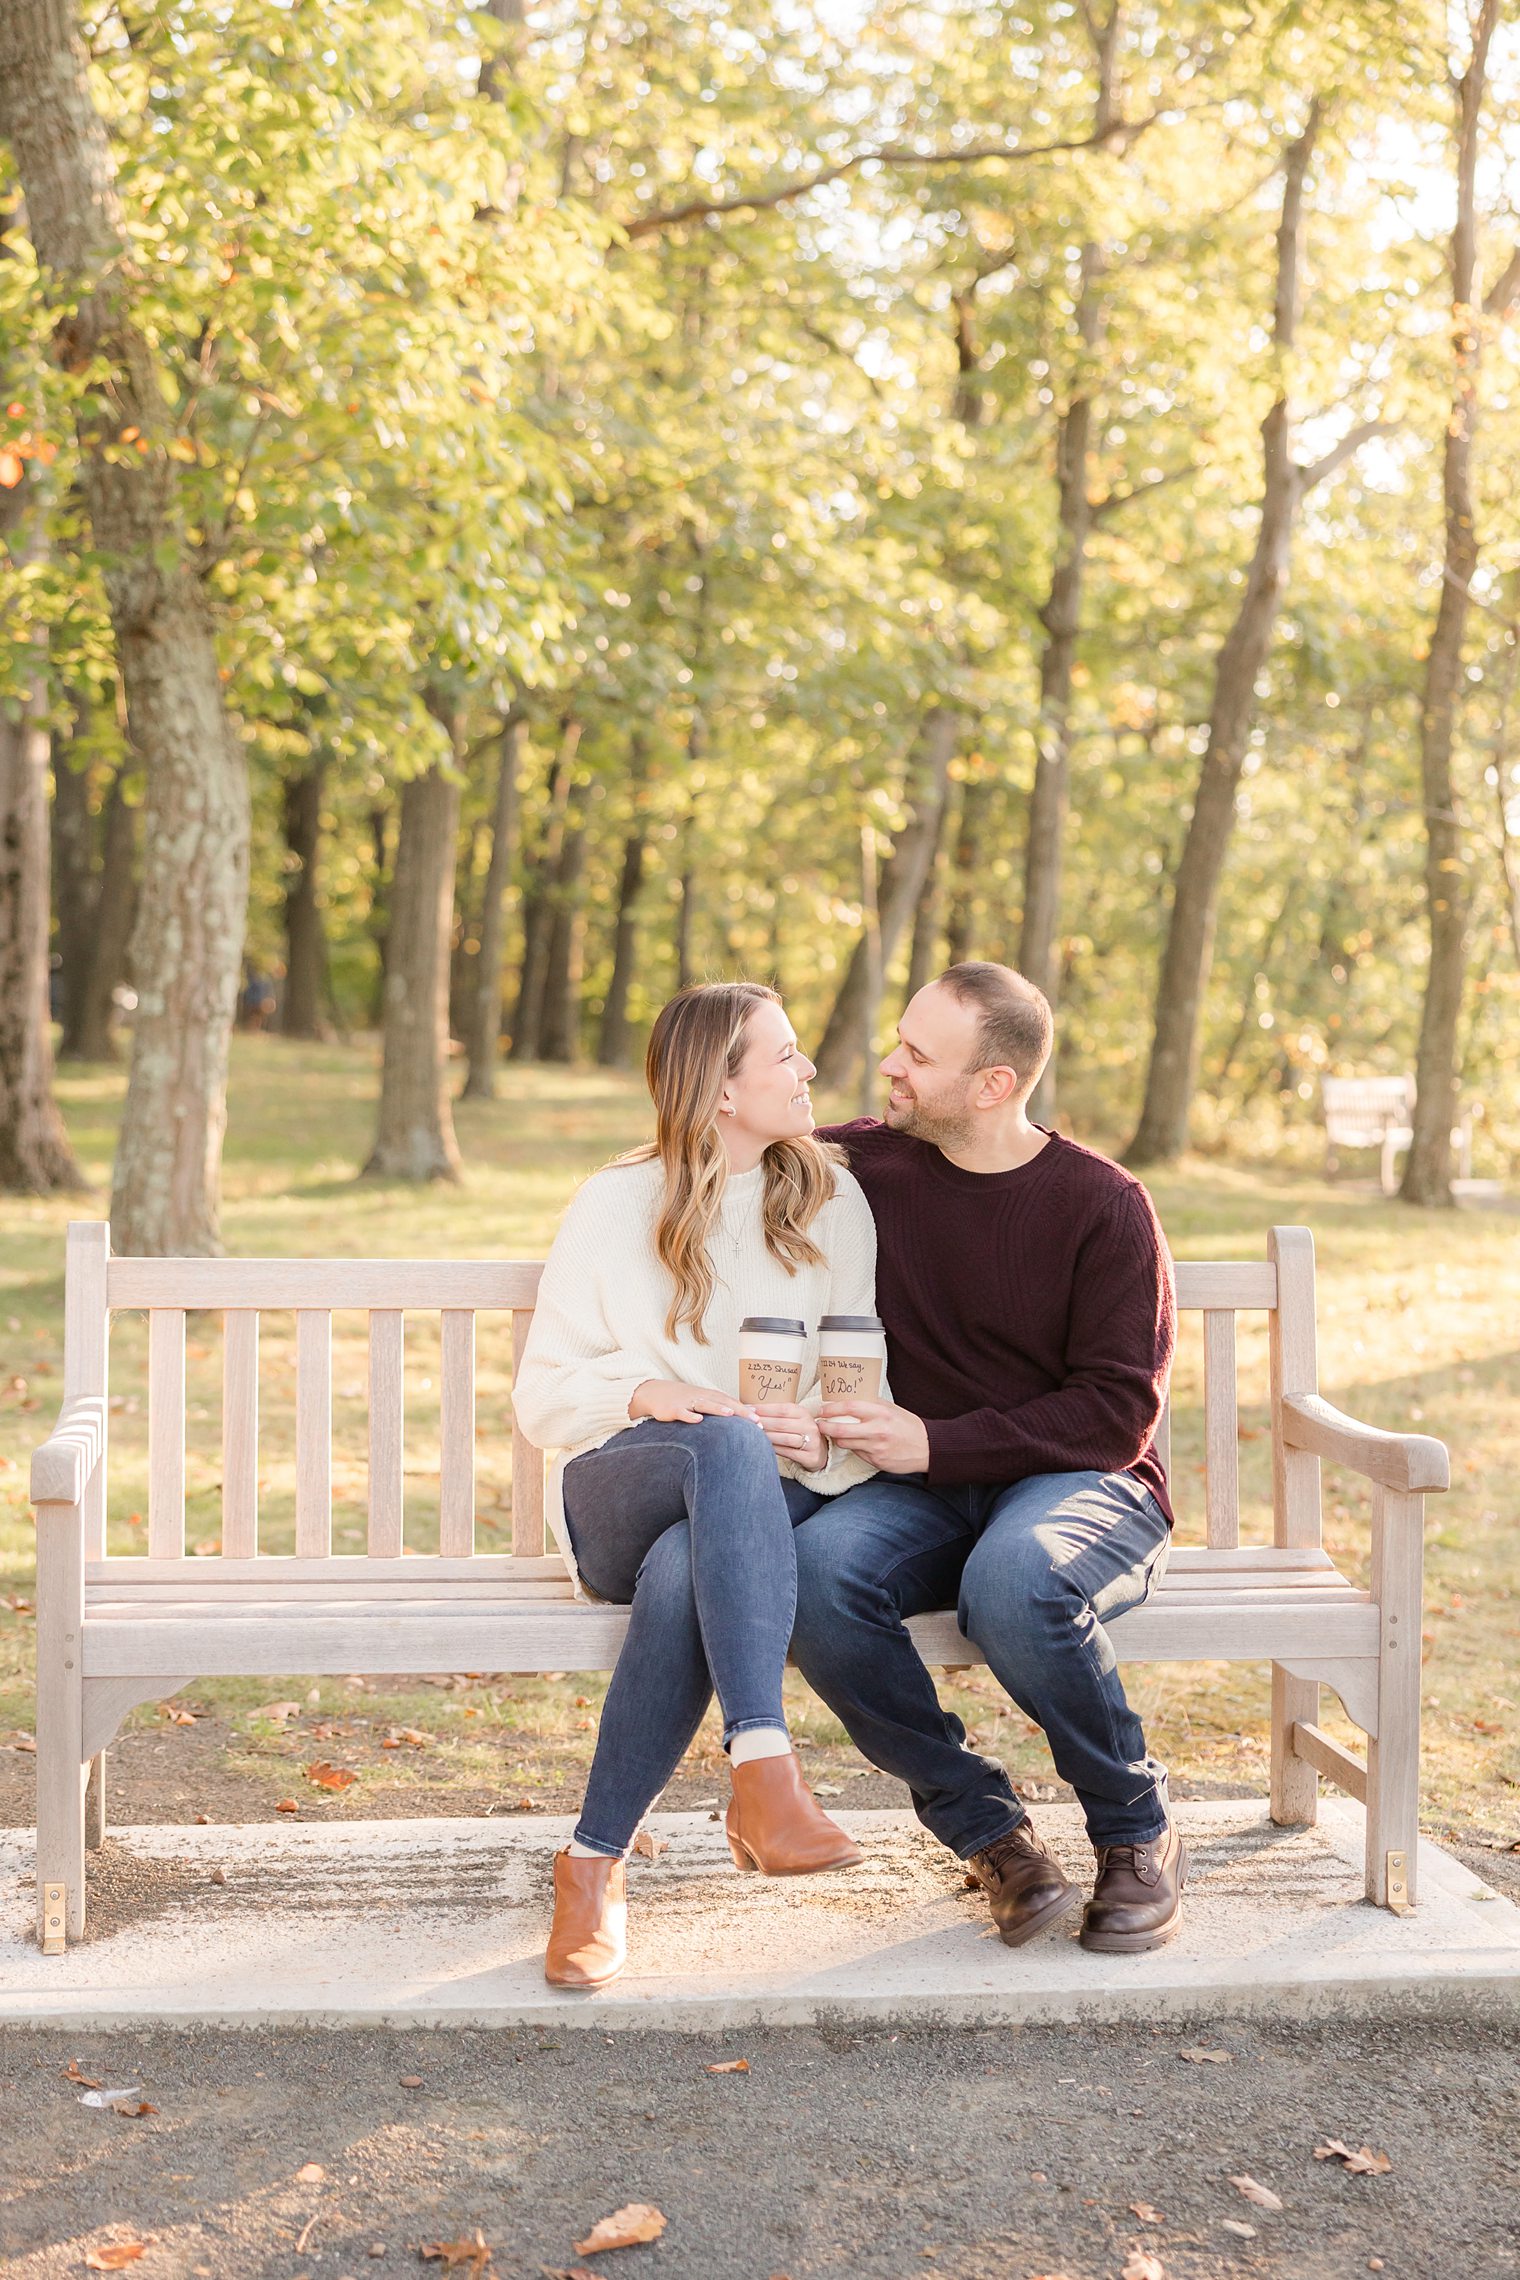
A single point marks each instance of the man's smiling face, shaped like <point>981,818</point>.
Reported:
<point>929,1069</point>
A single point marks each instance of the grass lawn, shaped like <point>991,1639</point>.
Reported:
<point>1418,1314</point>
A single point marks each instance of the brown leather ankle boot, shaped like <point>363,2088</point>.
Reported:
<point>588,1940</point>
<point>776,1824</point>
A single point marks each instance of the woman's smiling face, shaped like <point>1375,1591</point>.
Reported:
<point>766,1099</point>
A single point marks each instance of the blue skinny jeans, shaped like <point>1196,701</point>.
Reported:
<point>692,1524</point>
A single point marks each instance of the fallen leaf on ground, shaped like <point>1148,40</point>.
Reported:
<point>177,1717</point>
<point>114,2255</point>
<point>276,1710</point>
<point>1240,2230</point>
<point>26,1744</point>
<point>730,2066</point>
<point>71,2073</point>
<point>1205,2057</point>
<point>649,1846</point>
<point>287,1805</point>
<point>1143,2266</point>
<point>568,2272</point>
<point>134,2108</point>
<point>1262,2195</point>
<point>1146,2214</point>
<point>625,2228</point>
<point>325,1776</point>
<point>411,2081</point>
<point>475,2252</point>
<point>1363,2163</point>
<point>310,2173</point>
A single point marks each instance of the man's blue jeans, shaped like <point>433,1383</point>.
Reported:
<point>693,1524</point>
<point>1033,1571</point>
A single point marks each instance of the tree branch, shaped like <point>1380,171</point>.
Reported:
<point>1339,453</point>
<point>1505,289</point>
<point>1121,131</point>
<point>1114,500</point>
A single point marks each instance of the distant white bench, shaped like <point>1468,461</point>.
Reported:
<point>1378,1112</point>
<point>118,1631</point>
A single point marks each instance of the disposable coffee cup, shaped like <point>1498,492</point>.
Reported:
<point>852,1357</point>
<point>771,1347</point>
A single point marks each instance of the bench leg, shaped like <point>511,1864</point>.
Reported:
<point>60,1832</point>
<point>1389,1179</point>
<point>95,1803</point>
<point>1393,1754</point>
<point>1295,1785</point>
<point>60,1722</point>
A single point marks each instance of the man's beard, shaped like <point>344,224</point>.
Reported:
<point>943,1128</point>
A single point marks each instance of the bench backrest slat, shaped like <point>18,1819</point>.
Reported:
<point>240,1433</point>
<point>386,1398</point>
<point>313,1432</point>
<point>166,1432</point>
<point>456,1482</point>
<point>527,1464</point>
<point>1221,1430</point>
<point>485,1285</point>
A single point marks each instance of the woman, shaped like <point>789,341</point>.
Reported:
<point>677,1495</point>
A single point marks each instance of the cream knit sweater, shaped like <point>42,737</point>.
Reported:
<point>599,1324</point>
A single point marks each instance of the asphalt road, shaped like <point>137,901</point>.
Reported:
<point>973,2155</point>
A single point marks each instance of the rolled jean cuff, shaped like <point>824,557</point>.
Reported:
<point>581,1835</point>
<point>968,1850</point>
<point>776,1725</point>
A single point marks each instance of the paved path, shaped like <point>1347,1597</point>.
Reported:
<point>442,1923</point>
<point>967,2154</point>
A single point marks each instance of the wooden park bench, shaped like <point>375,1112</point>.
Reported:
<point>115,1632</point>
<point>1378,1112</point>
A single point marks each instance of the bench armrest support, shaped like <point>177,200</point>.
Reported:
<point>1408,1463</point>
<point>62,1467</point>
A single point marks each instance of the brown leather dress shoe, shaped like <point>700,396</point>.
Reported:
<point>588,1940</point>
<point>776,1824</point>
<point>1137,1899</point>
<point>1025,1889</point>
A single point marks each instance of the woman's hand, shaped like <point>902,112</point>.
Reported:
<point>792,1432</point>
<point>676,1404</point>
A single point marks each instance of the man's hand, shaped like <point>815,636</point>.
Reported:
<point>793,1433</point>
<point>892,1439</point>
<point>676,1404</point>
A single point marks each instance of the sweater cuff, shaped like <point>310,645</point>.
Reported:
<point>958,1453</point>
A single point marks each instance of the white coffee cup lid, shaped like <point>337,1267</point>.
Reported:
<point>851,1322</point>
<point>775,1325</point>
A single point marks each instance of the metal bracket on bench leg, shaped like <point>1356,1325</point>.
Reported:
<point>54,1940</point>
<point>1398,1884</point>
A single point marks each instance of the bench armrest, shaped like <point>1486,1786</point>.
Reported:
<point>61,1468</point>
<point>1409,1463</point>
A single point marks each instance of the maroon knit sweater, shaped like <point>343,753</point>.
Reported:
<point>1030,1315</point>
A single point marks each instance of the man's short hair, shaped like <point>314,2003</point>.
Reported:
<point>1015,1025</point>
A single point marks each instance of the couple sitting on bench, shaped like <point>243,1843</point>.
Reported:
<point>1027,1298</point>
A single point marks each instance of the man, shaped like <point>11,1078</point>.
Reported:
<point>1027,1296</point>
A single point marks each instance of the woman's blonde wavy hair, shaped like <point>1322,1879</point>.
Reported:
<point>697,1043</point>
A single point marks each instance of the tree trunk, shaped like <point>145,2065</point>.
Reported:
<point>960,930</point>
<point>75,884</point>
<point>305,941</point>
<point>928,917</point>
<point>415,1135</point>
<point>189,937</point>
<point>1163,1128</point>
<point>483,1013</point>
<point>379,908</point>
<point>115,916</point>
<point>538,904</point>
<point>35,1157</point>
<point>612,1043</point>
<point>465,948</point>
<point>1050,794</point>
<point>847,1033</point>
<point>1427,1168</point>
<point>561,1037</point>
